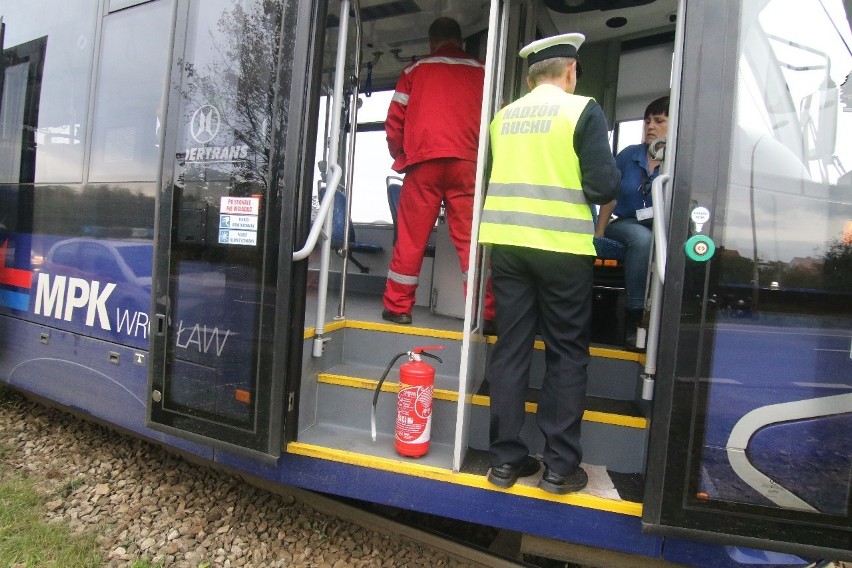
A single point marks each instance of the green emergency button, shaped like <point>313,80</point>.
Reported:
<point>700,248</point>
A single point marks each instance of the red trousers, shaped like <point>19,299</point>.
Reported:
<point>426,185</point>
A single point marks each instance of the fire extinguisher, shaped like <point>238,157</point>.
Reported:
<point>413,403</point>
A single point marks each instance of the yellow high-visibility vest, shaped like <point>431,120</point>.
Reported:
<point>535,195</point>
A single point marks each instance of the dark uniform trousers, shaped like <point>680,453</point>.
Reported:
<point>550,293</point>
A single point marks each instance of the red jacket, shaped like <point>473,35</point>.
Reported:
<point>435,109</point>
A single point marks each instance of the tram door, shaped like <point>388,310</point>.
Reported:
<point>229,213</point>
<point>750,438</point>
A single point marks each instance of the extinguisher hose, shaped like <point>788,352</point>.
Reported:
<point>435,357</point>
<point>378,390</point>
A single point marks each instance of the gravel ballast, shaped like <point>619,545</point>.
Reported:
<point>143,502</point>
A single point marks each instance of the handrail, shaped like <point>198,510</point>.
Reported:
<point>660,240</point>
<point>350,165</point>
<point>323,220</point>
<point>661,206</point>
<point>322,213</point>
<point>333,134</point>
<point>659,252</point>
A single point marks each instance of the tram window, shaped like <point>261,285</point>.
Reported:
<point>629,133</point>
<point>369,189</point>
<point>128,109</point>
<point>372,161</point>
<point>12,120</point>
<point>644,74</point>
<point>375,107</point>
<point>62,78</point>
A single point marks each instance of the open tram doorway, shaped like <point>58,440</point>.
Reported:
<point>338,327</point>
<point>629,64</point>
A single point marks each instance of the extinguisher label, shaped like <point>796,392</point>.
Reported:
<point>414,414</point>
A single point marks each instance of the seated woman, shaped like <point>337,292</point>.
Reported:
<point>631,212</point>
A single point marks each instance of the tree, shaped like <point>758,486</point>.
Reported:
<point>240,82</point>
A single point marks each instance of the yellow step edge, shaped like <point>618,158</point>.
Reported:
<point>603,352</point>
<point>467,479</point>
<point>406,329</point>
<point>310,332</point>
<point>479,400</point>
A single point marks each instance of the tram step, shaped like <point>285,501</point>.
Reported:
<point>613,373</point>
<point>376,345</point>
<point>614,431</point>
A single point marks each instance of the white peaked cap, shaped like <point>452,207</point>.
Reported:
<point>564,45</point>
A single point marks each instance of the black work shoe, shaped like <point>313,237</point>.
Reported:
<point>632,320</point>
<point>552,482</point>
<point>507,474</point>
<point>396,318</point>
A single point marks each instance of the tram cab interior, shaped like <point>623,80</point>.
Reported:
<point>627,62</point>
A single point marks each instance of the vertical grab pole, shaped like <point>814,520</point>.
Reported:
<point>661,211</point>
<point>493,70</point>
<point>333,156</point>
<point>350,162</point>
<point>659,255</point>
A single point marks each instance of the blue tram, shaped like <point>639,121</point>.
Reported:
<point>196,219</point>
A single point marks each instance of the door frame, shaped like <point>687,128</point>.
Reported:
<point>281,315</point>
<point>685,354</point>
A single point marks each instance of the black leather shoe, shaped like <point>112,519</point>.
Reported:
<point>396,318</point>
<point>507,474</point>
<point>632,320</point>
<point>552,482</point>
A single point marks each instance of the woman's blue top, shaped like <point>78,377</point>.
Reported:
<point>635,190</point>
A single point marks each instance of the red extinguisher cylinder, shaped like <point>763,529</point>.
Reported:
<point>414,408</point>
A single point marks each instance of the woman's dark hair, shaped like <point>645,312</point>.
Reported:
<point>659,106</point>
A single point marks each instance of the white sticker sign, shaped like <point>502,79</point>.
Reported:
<point>700,216</point>
<point>227,237</point>
<point>241,222</point>
<point>240,206</point>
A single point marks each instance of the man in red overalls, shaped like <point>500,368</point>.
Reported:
<point>433,133</point>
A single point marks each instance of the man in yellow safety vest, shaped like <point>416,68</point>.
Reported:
<point>551,159</point>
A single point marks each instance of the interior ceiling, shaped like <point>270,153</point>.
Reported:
<point>394,31</point>
<point>638,20</point>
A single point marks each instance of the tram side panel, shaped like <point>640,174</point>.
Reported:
<point>76,228</point>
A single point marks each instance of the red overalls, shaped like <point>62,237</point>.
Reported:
<point>433,132</point>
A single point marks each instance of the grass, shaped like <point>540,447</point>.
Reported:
<point>26,539</point>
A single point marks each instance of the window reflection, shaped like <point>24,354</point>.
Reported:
<point>788,210</point>
<point>227,78</point>
<point>131,82</point>
<point>51,136</point>
<point>778,406</point>
<point>227,95</point>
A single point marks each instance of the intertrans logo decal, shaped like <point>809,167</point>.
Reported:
<point>13,282</point>
<point>204,128</point>
<point>205,124</point>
